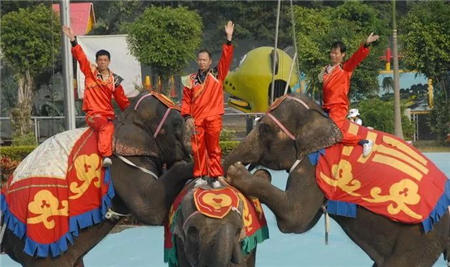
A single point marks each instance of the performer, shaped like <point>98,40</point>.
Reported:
<point>100,85</point>
<point>336,85</point>
<point>202,107</point>
<point>353,115</point>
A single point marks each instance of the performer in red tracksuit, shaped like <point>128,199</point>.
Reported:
<point>100,85</point>
<point>336,85</point>
<point>202,105</point>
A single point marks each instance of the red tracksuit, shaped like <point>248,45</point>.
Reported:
<point>97,100</point>
<point>336,86</point>
<point>204,102</point>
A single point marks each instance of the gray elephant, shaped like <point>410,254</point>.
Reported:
<point>204,238</point>
<point>141,188</point>
<point>294,128</point>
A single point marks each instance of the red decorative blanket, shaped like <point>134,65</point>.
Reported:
<point>395,180</point>
<point>57,190</point>
<point>217,203</point>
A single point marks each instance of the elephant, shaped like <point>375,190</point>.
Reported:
<point>291,130</point>
<point>203,240</point>
<point>147,194</point>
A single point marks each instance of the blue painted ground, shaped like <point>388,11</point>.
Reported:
<point>143,246</point>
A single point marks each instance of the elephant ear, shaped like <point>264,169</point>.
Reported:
<point>315,131</point>
<point>133,139</point>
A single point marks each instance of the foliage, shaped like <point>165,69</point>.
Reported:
<point>8,97</point>
<point>165,38</point>
<point>7,167</point>
<point>30,39</point>
<point>227,135</point>
<point>16,152</point>
<point>228,146</point>
<point>24,140</point>
<point>379,114</point>
<point>351,23</point>
<point>426,48</point>
<point>426,38</point>
<point>440,117</point>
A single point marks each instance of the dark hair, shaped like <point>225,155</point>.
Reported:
<point>102,53</point>
<point>204,51</point>
<point>340,45</point>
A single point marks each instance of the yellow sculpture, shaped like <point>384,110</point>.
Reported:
<point>249,84</point>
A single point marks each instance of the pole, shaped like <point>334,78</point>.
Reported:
<point>275,59</point>
<point>397,110</point>
<point>290,73</point>
<point>294,37</point>
<point>69,99</point>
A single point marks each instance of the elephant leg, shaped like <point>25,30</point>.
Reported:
<point>297,209</point>
<point>181,256</point>
<point>390,243</point>
<point>85,241</point>
<point>79,262</point>
<point>414,248</point>
<point>149,199</point>
<point>251,259</point>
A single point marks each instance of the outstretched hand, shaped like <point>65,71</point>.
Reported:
<point>68,32</point>
<point>372,38</point>
<point>229,28</point>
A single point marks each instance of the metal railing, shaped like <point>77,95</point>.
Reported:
<point>47,126</point>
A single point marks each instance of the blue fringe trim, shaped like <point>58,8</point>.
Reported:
<point>314,156</point>
<point>439,210</point>
<point>341,208</point>
<point>76,223</point>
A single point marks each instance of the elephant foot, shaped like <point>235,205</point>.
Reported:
<point>238,176</point>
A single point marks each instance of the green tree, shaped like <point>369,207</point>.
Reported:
<point>350,22</point>
<point>426,48</point>
<point>30,45</point>
<point>379,114</point>
<point>165,38</point>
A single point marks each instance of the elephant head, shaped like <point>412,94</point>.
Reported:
<point>151,128</point>
<point>292,128</point>
<point>205,241</point>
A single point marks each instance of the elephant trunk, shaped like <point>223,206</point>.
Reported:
<point>220,251</point>
<point>248,151</point>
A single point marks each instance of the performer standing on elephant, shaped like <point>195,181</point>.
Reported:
<point>202,107</point>
<point>101,84</point>
<point>336,85</point>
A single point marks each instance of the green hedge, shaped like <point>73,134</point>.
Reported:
<point>16,152</point>
<point>20,152</point>
<point>227,146</point>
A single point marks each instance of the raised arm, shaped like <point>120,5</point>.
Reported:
<point>227,53</point>
<point>77,52</point>
<point>360,54</point>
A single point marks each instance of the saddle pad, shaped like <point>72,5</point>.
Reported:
<point>58,189</point>
<point>216,203</point>
<point>395,180</point>
<point>165,100</point>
